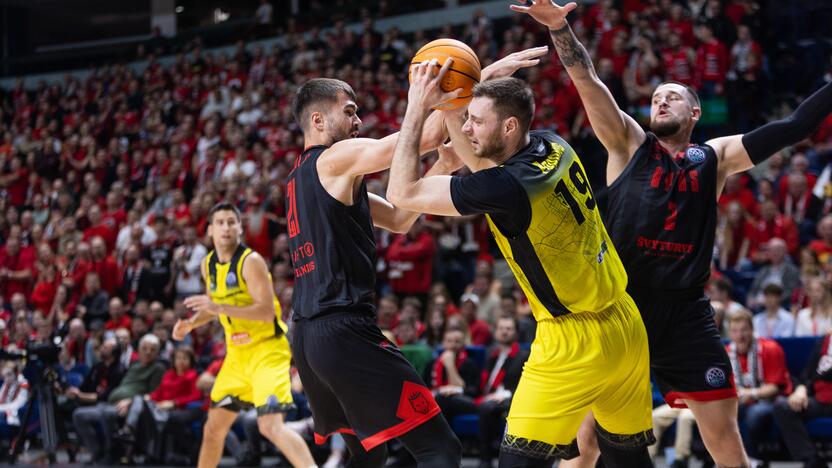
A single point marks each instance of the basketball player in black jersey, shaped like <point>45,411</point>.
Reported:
<point>358,383</point>
<point>662,218</point>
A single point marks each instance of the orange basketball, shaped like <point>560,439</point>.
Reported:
<point>464,72</point>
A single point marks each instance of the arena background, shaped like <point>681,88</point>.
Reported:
<point>121,123</point>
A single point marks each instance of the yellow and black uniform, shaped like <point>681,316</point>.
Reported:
<point>590,351</point>
<point>256,367</point>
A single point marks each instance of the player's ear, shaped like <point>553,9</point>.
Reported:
<point>510,125</point>
<point>317,121</point>
<point>696,113</point>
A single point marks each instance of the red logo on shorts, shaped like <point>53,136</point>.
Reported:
<point>415,400</point>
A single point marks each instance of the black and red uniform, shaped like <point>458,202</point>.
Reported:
<point>662,218</point>
<point>357,381</point>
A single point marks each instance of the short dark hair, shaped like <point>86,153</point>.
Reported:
<point>223,206</point>
<point>773,289</point>
<point>723,284</point>
<point>315,92</point>
<point>694,97</point>
<point>512,98</point>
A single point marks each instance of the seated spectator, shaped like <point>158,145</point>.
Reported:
<point>719,290</point>
<point>823,246</point>
<point>801,205</point>
<point>410,259</point>
<point>94,302</point>
<point>104,376</point>
<point>118,315</point>
<point>733,238</point>
<point>774,321</point>
<point>415,351</point>
<point>437,323</point>
<point>527,326</point>
<point>499,381</point>
<point>455,377</point>
<point>817,318</point>
<point>760,374</point>
<point>388,312</point>
<point>478,329</point>
<point>768,225</point>
<point>128,353</point>
<point>780,271</point>
<point>14,393</point>
<point>141,378</point>
<point>811,399</point>
<point>663,417</point>
<point>175,392</point>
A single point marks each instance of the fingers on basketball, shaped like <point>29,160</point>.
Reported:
<point>462,74</point>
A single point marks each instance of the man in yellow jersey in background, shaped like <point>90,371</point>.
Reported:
<point>255,372</point>
<point>590,351</point>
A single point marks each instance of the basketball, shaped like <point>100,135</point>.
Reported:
<point>464,72</point>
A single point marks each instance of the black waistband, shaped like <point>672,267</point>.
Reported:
<point>676,295</point>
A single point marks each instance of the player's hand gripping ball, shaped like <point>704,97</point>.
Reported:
<point>464,72</point>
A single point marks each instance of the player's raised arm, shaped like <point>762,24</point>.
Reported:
<point>738,153</point>
<point>618,132</point>
<point>360,156</point>
<point>406,189</point>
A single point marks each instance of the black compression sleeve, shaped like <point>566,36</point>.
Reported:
<point>774,136</point>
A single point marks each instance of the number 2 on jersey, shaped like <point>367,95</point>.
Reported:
<point>578,178</point>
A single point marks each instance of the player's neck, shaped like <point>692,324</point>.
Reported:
<point>673,144</point>
<point>512,150</point>
<point>224,254</point>
<point>316,139</point>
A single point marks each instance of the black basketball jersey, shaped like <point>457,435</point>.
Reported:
<point>661,216</point>
<point>332,245</point>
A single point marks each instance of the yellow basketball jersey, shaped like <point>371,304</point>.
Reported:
<point>227,286</point>
<point>565,261</point>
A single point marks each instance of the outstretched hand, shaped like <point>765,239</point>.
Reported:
<point>448,159</point>
<point>509,64</point>
<point>546,12</point>
<point>426,88</point>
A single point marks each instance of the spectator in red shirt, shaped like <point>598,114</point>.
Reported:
<point>410,257</point>
<point>118,315</point>
<point>16,181</point>
<point>760,373</point>
<point>770,224</point>
<point>823,246</point>
<point>711,62</point>
<point>388,312</point>
<point>106,267</point>
<point>678,61</point>
<point>455,377</point>
<point>478,329</point>
<point>99,227</point>
<point>735,190</point>
<point>733,240</point>
<point>16,268</point>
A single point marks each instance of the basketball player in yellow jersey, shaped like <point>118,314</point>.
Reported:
<point>255,372</point>
<point>590,351</point>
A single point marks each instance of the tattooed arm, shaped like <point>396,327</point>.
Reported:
<point>618,132</point>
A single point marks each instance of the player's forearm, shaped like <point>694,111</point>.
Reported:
<point>573,56</point>
<point>404,172</point>
<point>260,312</point>
<point>404,219</point>
<point>200,318</point>
<point>767,391</point>
<point>763,142</point>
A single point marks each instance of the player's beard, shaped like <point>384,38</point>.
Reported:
<point>491,148</point>
<point>665,128</point>
<point>341,133</point>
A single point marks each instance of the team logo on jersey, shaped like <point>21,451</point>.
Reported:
<point>231,280</point>
<point>602,252</point>
<point>715,377</point>
<point>419,403</point>
<point>695,155</point>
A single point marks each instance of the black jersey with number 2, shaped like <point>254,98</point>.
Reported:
<point>662,216</point>
<point>333,248</point>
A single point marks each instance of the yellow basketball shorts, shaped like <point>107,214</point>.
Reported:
<point>596,361</point>
<point>255,376</point>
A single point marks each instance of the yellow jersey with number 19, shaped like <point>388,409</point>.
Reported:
<point>227,286</point>
<point>564,260</point>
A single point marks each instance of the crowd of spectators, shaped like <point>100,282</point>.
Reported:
<point>106,183</point>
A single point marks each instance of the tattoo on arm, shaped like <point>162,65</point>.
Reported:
<point>571,52</point>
